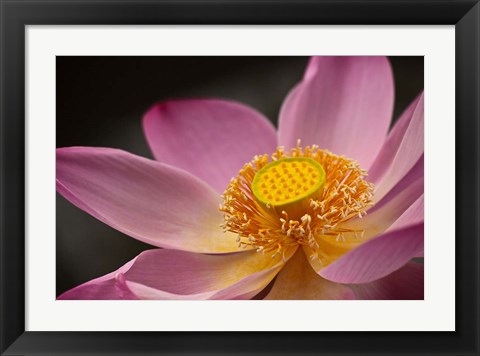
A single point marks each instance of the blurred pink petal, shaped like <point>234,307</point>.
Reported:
<point>409,151</point>
<point>377,257</point>
<point>297,281</point>
<point>211,139</point>
<point>150,201</point>
<point>343,104</point>
<point>403,284</point>
<point>173,274</point>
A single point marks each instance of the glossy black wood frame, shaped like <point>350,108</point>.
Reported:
<point>16,14</point>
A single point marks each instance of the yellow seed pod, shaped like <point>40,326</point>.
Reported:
<point>286,184</point>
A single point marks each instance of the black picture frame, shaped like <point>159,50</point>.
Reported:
<point>16,14</point>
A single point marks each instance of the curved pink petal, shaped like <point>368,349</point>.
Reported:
<point>408,152</point>
<point>298,281</point>
<point>392,213</point>
<point>377,257</point>
<point>174,274</point>
<point>415,174</point>
<point>108,287</point>
<point>400,211</point>
<point>407,283</point>
<point>343,104</point>
<point>150,201</point>
<point>392,143</point>
<point>412,216</point>
<point>211,139</point>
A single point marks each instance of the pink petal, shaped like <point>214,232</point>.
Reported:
<point>415,174</point>
<point>343,104</point>
<point>174,274</point>
<point>383,217</point>
<point>150,201</point>
<point>298,281</point>
<point>407,153</point>
<point>407,283</point>
<point>377,257</point>
<point>211,139</point>
<point>412,216</point>
<point>392,143</point>
<point>108,287</point>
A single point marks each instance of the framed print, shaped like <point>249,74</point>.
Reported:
<point>177,177</point>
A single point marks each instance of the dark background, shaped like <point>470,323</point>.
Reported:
<point>101,100</point>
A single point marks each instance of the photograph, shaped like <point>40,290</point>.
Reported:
<point>239,177</point>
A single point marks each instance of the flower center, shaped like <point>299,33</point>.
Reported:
<point>289,182</point>
<point>298,197</point>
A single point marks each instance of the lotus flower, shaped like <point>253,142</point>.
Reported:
<point>328,207</point>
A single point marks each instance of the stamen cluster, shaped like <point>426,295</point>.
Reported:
<point>346,195</point>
